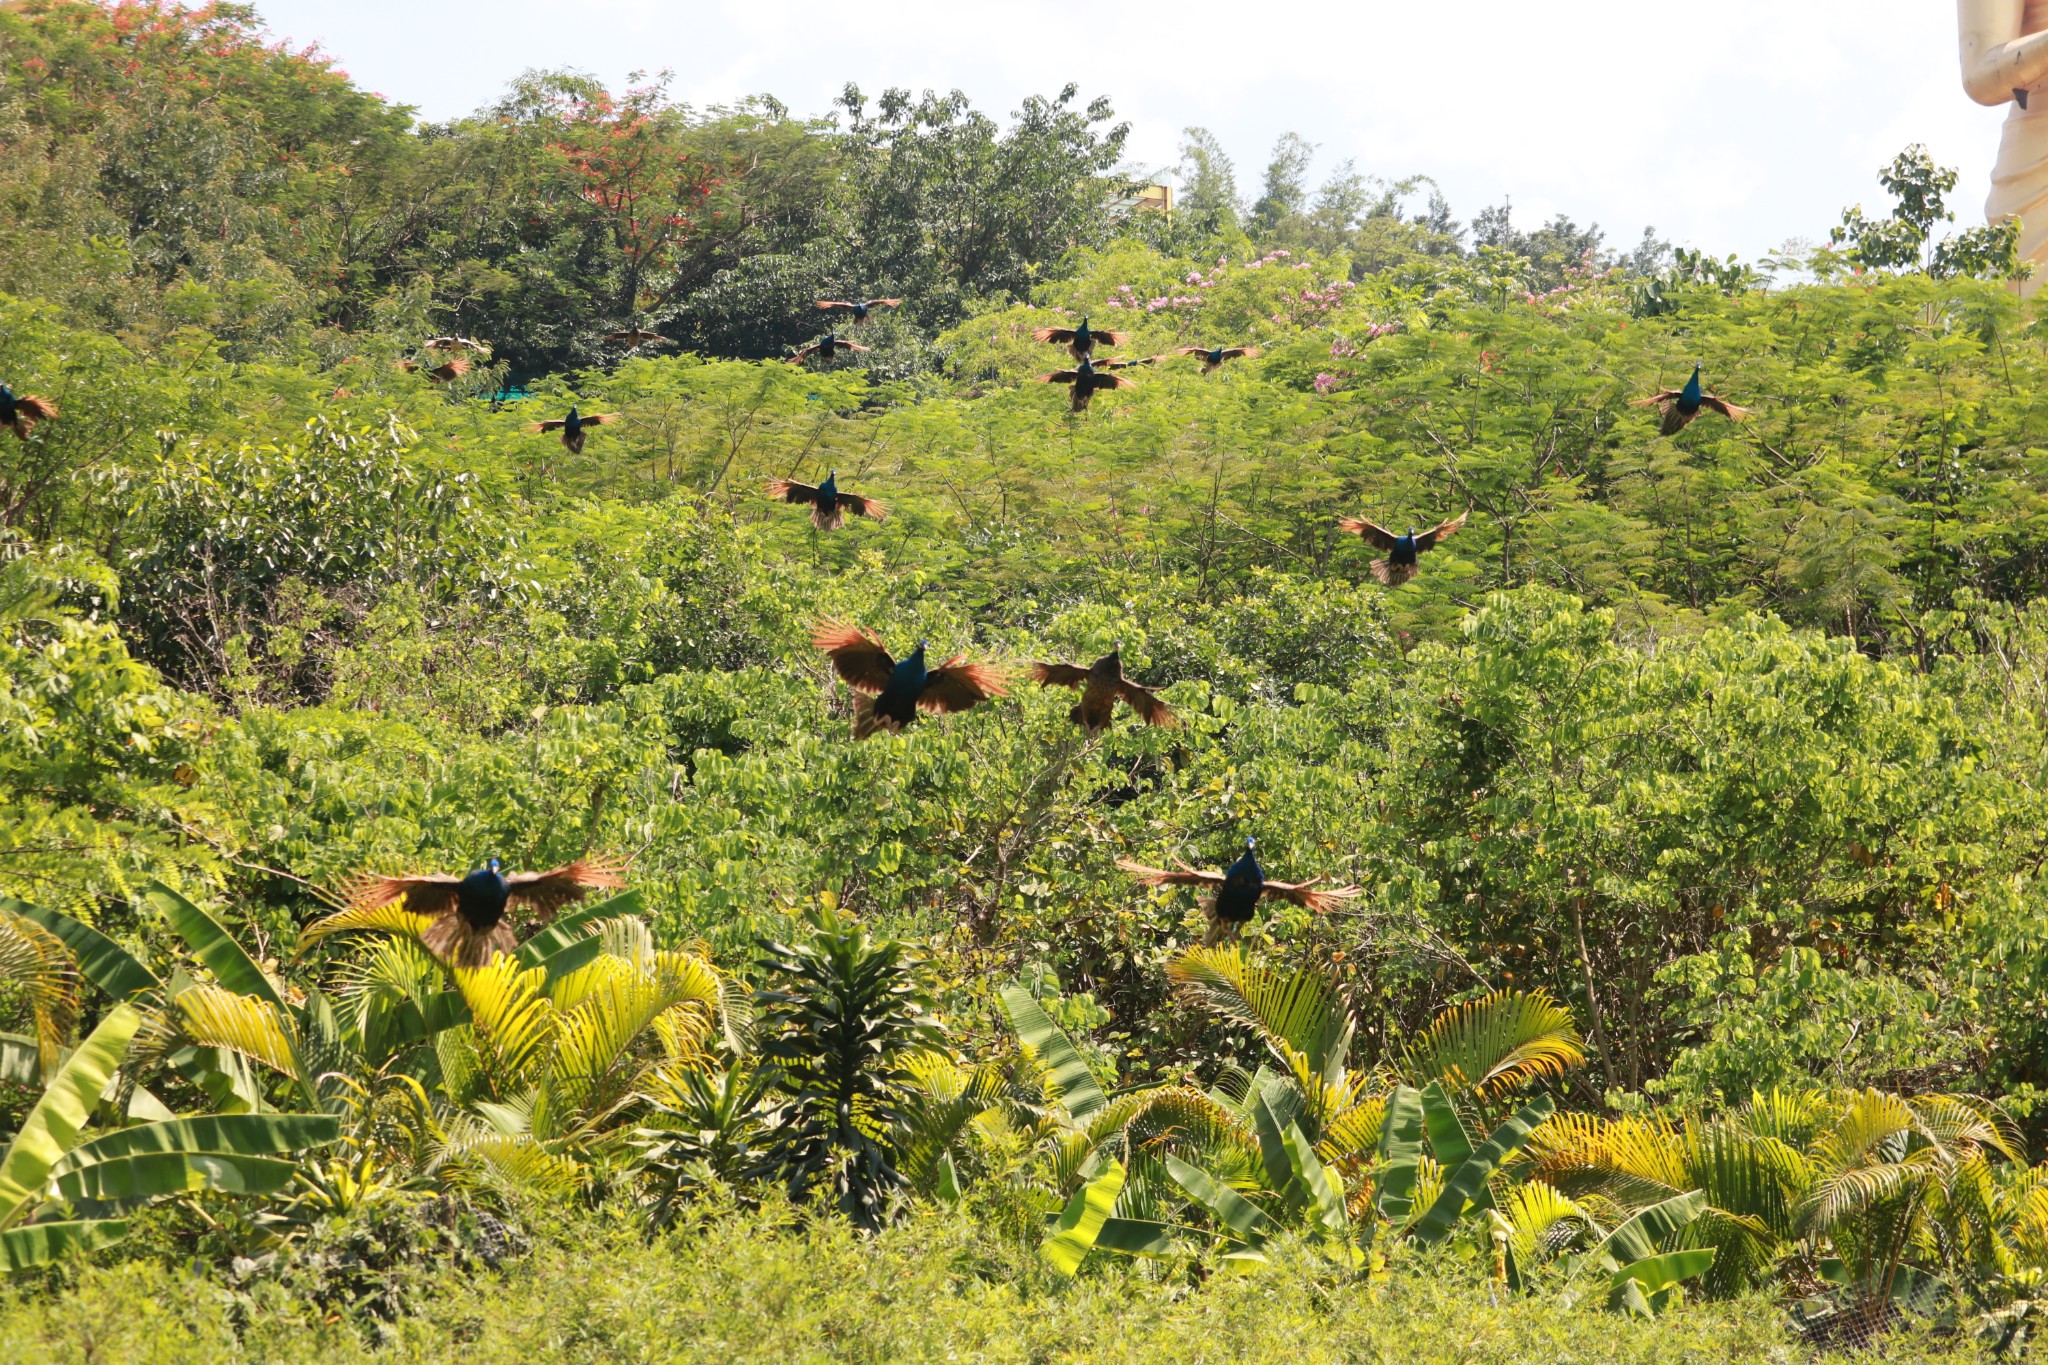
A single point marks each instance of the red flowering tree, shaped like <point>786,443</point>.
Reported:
<point>651,197</point>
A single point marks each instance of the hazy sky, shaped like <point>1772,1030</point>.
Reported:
<point>1731,125</point>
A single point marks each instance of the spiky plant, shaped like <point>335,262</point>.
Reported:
<point>844,1018</point>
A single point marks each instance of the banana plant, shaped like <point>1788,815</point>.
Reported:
<point>49,1177</point>
<point>1286,1187</point>
<point>1426,1124</point>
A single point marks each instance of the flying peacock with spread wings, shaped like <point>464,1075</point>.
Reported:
<point>1235,892</point>
<point>467,919</point>
<point>896,690</point>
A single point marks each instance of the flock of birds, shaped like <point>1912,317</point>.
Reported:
<point>468,915</point>
<point>1091,374</point>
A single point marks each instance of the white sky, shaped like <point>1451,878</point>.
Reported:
<point>1731,125</point>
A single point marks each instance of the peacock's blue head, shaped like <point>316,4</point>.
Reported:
<point>492,864</point>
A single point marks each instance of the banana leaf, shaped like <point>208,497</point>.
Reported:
<point>42,1243</point>
<point>575,957</point>
<point>1081,1223</point>
<point>229,1134</point>
<point>1637,1237</point>
<point>1319,1186</point>
<point>1400,1153</point>
<point>1448,1139</point>
<point>1244,1219</point>
<point>132,1179</point>
<point>1274,1157</point>
<point>1643,1287</point>
<point>54,1124</point>
<point>1136,1237</point>
<point>214,945</point>
<point>20,1060</point>
<point>1468,1183</point>
<point>1074,1084</point>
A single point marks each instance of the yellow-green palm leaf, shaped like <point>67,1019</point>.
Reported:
<point>36,962</point>
<point>214,1016</point>
<point>387,919</point>
<point>512,1023</point>
<point>1494,1045</point>
<point>1300,1014</point>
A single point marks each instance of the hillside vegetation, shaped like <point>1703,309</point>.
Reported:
<point>1694,791</point>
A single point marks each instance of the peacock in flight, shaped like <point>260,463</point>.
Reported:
<point>896,690</point>
<point>829,507</point>
<point>1235,892</point>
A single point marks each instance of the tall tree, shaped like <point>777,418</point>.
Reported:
<point>947,205</point>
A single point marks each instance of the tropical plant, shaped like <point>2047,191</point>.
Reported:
<point>1893,1200</point>
<point>60,1194</point>
<point>35,963</point>
<point>1310,1144</point>
<point>844,1022</point>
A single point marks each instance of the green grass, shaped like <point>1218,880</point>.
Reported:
<point>743,1288</point>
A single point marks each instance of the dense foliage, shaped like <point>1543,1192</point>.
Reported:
<point>1695,789</point>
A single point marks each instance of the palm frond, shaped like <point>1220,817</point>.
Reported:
<point>388,919</point>
<point>512,1022</point>
<point>1840,1194</point>
<point>1355,1132</point>
<point>2029,1228</point>
<point>1964,1123</point>
<point>477,1156</point>
<point>1793,1117</point>
<point>1747,1175</point>
<point>1542,1222</point>
<point>36,962</point>
<point>1304,1009</point>
<point>697,1011</point>
<point>614,1007</point>
<point>1175,1120</point>
<point>214,1016</point>
<point>1493,1045</point>
<point>1630,1160</point>
<point>1873,1128</point>
<point>945,1100</point>
<point>375,986</point>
